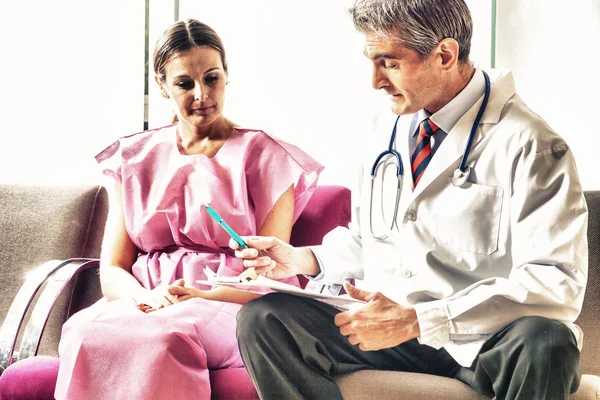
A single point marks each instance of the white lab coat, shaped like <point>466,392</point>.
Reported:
<point>511,242</point>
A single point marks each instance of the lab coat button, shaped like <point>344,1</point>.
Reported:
<point>406,273</point>
<point>435,343</point>
<point>411,215</point>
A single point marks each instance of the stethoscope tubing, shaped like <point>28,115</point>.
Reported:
<point>462,168</point>
<point>488,88</point>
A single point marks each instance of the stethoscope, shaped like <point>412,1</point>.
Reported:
<point>461,174</point>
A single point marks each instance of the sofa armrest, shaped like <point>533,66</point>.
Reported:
<point>55,285</point>
<point>57,274</point>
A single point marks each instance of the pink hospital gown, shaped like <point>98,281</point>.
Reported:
<point>114,351</point>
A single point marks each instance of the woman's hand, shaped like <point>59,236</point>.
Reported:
<point>183,293</point>
<point>157,298</point>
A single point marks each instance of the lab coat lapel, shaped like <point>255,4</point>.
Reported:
<point>452,148</point>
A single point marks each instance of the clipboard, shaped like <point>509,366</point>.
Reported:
<point>262,285</point>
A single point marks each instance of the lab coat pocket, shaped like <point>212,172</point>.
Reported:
<point>469,218</point>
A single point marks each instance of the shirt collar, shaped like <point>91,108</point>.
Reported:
<point>447,116</point>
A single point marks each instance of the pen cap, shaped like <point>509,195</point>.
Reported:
<point>205,197</point>
<point>212,212</point>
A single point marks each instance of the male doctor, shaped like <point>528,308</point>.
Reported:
<point>484,272</point>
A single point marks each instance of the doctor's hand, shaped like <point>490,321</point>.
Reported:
<point>274,258</point>
<point>379,324</point>
<point>268,256</point>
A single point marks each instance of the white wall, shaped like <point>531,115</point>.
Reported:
<point>552,48</point>
<point>72,79</point>
<point>297,71</point>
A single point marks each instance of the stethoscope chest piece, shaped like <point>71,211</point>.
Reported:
<point>460,177</point>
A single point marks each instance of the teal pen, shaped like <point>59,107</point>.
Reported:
<point>215,215</point>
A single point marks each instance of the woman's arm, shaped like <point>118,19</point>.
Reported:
<point>118,252</point>
<point>226,294</point>
<point>117,258</point>
<point>280,219</point>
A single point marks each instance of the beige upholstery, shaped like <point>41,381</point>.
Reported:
<point>384,385</point>
<point>388,385</point>
<point>41,223</point>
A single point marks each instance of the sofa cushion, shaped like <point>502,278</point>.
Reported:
<point>589,319</point>
<point>35,378</point>
<point>328,208</point>
<point>232,383</point>
<point>390,385</point>
<point>32,378</point>
<point>41,223</point>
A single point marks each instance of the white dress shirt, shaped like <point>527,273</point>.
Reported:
<point>446,117</point>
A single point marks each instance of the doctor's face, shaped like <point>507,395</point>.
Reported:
<point>411,83</point>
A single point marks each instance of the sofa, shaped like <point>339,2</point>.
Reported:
<point>49,244</point>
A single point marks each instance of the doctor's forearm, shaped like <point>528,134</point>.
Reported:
<point>467,316</point>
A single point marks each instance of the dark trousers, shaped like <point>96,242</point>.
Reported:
<point>292,350</point>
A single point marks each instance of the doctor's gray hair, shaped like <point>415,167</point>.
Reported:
<point>416,24</point>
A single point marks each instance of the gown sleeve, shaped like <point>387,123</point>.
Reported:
<point>109,161</point>
<point>272,166</point>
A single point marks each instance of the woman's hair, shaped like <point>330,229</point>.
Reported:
<point>183,36</point>
<point>417,24</point>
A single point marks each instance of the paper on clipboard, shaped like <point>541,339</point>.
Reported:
<point>261,284</point>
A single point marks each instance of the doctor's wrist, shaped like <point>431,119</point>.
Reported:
<point>414,323</point>
<point>305,262</point>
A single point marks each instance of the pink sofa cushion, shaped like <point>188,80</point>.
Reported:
<point>327,209</point>
<point>232,383</point>
<point>35,378</point>
<point>32,378</point>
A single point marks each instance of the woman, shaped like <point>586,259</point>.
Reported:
<point>157,234</point>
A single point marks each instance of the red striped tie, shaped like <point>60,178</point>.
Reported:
<point>422,153</point>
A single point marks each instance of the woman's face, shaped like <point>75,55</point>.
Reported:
<point>195,82</point>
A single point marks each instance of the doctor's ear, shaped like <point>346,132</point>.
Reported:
<point>447,50</point>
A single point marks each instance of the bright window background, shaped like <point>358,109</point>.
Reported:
<point>73,76</point>
<point>302,76</point>
<point>552,48</point>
